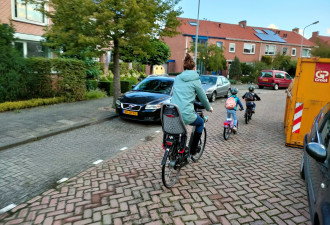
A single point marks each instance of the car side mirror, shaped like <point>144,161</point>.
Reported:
<point>316,151</point>
<point>133,86</point>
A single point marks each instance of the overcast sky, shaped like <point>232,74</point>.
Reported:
<point>283,14</point>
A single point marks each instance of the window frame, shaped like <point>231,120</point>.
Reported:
<point>295,52</point>
<point>232,45</point>
<point>267,50</point>
<point>308,51</point>
<point>25,20</point>
<point>287,49</point>
<point>253,47</point>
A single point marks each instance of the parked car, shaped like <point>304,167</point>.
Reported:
<point>274,78</point>
<point>144,101</point>
<point>315,167</point>
<point>215,86</point>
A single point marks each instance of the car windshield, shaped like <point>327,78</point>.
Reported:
<point>208,80</point>
<point>266,74</point>
<point>155,85</point>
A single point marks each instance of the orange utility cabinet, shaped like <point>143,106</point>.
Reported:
<point>306,95</point>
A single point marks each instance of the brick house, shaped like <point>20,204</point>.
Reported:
<point>248,43</point>
<point>28,24</point>
<point>322,39</point>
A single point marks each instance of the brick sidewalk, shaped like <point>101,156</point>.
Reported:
<point>250,179</point>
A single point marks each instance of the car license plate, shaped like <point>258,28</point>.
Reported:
<point>265,80</point>
<point>130,113</point>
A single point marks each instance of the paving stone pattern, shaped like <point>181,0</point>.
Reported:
<point>250,179</point>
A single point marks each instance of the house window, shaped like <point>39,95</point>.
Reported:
<point>285,35</point>
<point>32,49</point>
<point>306,52</point>
<point>270,50</point>
<point>285,50</point>
<point>232,47</point>
<point>27,12</point>
<point>249,48</point>
<point>219,44</point>
<point>293,52</point>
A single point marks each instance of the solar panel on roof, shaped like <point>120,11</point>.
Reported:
<point>259,31</point>
<point>270,32</point>
<point>269,37</point>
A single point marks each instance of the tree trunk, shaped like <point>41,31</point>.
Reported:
<point>151,67</point>
<point>116,73</point>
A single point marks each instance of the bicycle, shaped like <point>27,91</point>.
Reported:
<point>177,154</point>
<point>228,127</point>
<point>248,113</point>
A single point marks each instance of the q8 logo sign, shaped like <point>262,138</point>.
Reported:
<point>322,72</point>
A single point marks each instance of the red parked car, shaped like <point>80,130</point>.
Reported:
<point>274,78</point>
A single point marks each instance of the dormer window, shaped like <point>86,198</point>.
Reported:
<point>192,23</point>
<point>285,35</point>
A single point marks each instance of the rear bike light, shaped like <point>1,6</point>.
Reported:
<point>169,143</point>
<point>182,151</point>
<point>169,115</point>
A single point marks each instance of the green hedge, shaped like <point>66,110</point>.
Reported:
<point>107,86</point>
<point>91,84</point>
<point>7,106</point>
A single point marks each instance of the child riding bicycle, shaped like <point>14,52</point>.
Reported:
<point>231,106</point>
<point>250,97</point>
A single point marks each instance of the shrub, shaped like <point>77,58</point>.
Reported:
<point>12,66</point>
<point>106,86</point>
<point>91,85</point>
<point>7,106</point>
<point>235,70</point>
<point>233,81</point>
<point>95,94</point>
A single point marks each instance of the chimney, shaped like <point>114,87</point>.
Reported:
<point>315,34</point>
<point>296,29</point>
<point>242,23</point>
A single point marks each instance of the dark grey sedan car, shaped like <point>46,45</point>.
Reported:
<point>315,167</point>
<point>215,86</point>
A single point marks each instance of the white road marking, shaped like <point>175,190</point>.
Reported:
<point>98,161</point>
<point>123,149</point>
<point>7,208</point>
<point>62,180</point>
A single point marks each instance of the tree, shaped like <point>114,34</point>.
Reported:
<point>281,62</point>
<point>155,52</point>
<point>133,23</point>
<point>323,49</point>
<point>211,57</point>
<point>235,69</point>
<point>12,66</point>
<point>85,28</point>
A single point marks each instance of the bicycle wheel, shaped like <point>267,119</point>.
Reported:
<point>246,118</point>
<point>226,133</point>
<point>201,143</point>
<point>170,174</point>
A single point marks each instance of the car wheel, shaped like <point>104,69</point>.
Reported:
<point>276,87</point>
<point>302,172</point>
<point>261,87</point>
<point>212,99</point>
<point>228,93</point>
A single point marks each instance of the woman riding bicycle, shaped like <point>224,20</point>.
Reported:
<point>186,86</point>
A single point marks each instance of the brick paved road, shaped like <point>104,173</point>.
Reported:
<point>250,179</point>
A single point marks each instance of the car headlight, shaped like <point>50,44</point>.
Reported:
<point>153,106</point>
<point>117,102</point>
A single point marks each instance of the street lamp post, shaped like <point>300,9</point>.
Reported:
<point>196,38</point>
<point>302,38</point>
